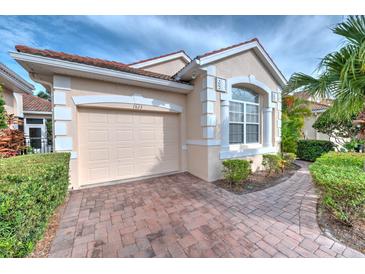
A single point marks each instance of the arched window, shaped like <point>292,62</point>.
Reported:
<point>244,116</point>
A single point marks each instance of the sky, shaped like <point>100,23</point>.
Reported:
<point>295,43</point>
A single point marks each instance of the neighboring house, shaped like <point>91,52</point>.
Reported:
<point>14,87</point>
<point>37,112</point>
<point>162,115</point>
<point>30,112</point>
<point>317,107</point>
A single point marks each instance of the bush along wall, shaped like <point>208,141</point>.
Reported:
<point>310,150</point>
<point>341,178</point>
<point>31,188</point>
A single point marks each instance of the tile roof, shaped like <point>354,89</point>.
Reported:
<point>322,104</point>
<point>157,57</point>
<point>226,48</point>
<point>318,106</point>
<point>92,62</point>
<point>35,103</point>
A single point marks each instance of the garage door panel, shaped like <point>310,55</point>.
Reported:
<point>124,135</point>
<point>116,144</point>
<point>99,155</point>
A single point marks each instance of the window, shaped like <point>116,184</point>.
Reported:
<point>244,120</point>
<point>34,121</point>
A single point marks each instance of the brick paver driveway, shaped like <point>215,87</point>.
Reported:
<point>183,216</point>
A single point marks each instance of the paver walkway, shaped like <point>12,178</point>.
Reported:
<point>183,216</point>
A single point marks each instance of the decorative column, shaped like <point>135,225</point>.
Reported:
<point>208,99</point>
<point>267,127</point>
<point>62,114</point>
<point>224,124</point>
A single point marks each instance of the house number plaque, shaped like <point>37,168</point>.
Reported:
<point>137,106</point>
<point>221,84</point>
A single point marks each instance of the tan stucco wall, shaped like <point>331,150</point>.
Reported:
<point>169,68</point>
<point>243,64</point>
<point>310,132</point>
<point>9,101</point>
<point>85,87</point>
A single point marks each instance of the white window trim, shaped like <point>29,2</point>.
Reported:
<point>244,123</point>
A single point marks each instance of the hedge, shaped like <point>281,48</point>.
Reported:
<point>31,188</point>
<point>310,150</point>
<point>341,178</point>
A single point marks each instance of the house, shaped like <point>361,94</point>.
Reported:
<point>317,107</point>
<point>14,87</point>
<point>163,115</point>
<point>37,113</point>
<point>30,112</point>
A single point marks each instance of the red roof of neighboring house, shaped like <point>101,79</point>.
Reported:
<point>35,103</point>
<point>157,57</point>
<point>323,104</point>
<point>92,62</point>
<point>318,106</point>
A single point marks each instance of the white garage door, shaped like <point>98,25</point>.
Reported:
<point>118,144</point>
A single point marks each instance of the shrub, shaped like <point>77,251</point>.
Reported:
<point>341,178</point>
<point>288,158</point>
<point>310,150</point>
<point>236,170</point>
<point>272,163</point>
<point>31,188</point>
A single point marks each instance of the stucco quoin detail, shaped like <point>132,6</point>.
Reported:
<point>208,99</point>
<point>135,99</point>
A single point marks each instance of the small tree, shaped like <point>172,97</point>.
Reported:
<point>3,119</point>
<point>44,95</point>
<point>294,111</point>
<point>336,127</point>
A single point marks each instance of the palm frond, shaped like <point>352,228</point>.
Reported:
<point>318,87</point>
<point>352,29</point>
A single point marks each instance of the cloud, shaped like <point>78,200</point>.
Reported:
<point>299,42</point>
<point>158,35</point>
<point>296,43</point>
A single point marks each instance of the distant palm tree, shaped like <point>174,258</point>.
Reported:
<point>44,95</point>
<point>341,73</point>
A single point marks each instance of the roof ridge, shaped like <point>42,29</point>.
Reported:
<point>158,57</point>
<point>226,48</point>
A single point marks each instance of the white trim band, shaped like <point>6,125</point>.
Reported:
<point>247,152</point>
<point>213,142</point>
<point>135,99</point>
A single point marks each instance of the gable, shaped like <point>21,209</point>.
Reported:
<point>244,64</point>
<point>170,67</point>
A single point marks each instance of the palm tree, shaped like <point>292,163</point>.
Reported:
<point>341,73</point>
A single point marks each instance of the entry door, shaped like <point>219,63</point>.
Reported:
<point>116,144</point>
<point>35,136</point>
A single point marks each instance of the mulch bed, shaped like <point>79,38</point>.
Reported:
<point>258,180</point>
<point>353,236</point>
<point>43,246</point>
